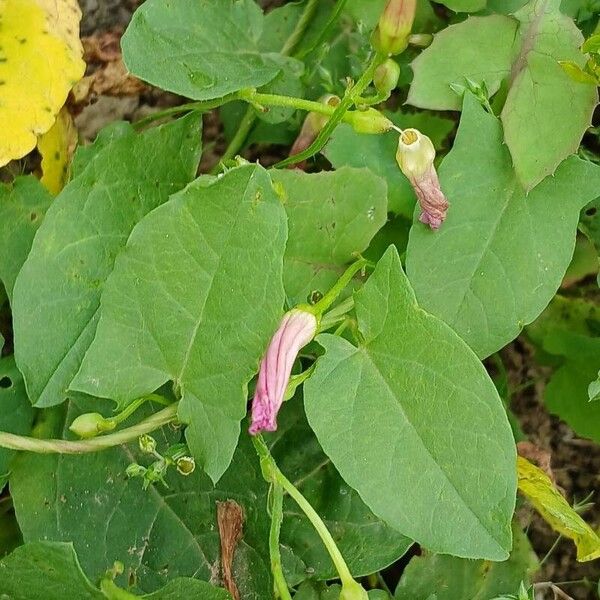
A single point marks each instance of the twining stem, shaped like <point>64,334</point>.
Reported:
<point>331,296</point>
<point>301,26</point>
<point>237,141</point>
<point>188,107</point>
<point>320,39</point>
<point>336,315</point>
<point>350,98</point>
<point>131,408</point>
<point>281,585</point>
<point>272,474</point>
<point>286,101</point>
<point>29,444</point>
<point>249,118</point>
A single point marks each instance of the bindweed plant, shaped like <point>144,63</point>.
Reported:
<point>234,381</point>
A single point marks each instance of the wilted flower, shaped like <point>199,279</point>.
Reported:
<point>313,123</point>
<point>415,158</point>
<point>395,25</point>
<point>297,328</point>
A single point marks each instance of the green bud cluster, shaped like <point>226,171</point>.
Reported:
<point>177,455</point>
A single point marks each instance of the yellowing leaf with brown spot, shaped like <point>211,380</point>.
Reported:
<point>40,60</point>
<point>56,147</point>
<point>538,488</point>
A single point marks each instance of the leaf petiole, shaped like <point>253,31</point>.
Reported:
<point>273,475</point>
<point>281,586</point>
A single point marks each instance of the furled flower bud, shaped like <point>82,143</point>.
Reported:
<point>313,123</point>
<point>369,121</point>
<point>395,25</point>
<point>386,77</point>
<point>297,328</point>
<point>90,425</point>
<point>415,158</point>
<point>147,443</point>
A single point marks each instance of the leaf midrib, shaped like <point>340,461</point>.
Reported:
<point>367,354</point>
<point>486,247</point>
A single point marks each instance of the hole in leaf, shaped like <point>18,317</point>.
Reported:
<point>5,382</point>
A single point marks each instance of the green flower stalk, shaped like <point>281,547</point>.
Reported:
<point>351,589</point>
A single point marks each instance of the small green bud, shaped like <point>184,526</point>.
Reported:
<point>369,121</point>
<point>186,465</point>
<point>420,40</point>
<point>147,444</point>
<point>156,473</point>
<point>395,25</point>
<point>352,590</point>
<point>90,425</point>
<point>386,77</point>
<point>135,470</point>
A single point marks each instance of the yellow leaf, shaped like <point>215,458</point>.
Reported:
<point>40,60</point>
<point>56,147</point>
<point>538,488</point>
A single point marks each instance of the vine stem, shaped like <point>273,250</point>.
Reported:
<point>249,118</point>
<point>287,101</point>
<point>352,95</point>
<point>272,474</point>
<point>331,296</point>
<point>187,107</point>
<point>281,585</point>
<point>303,22</point>
<point>29,444</point>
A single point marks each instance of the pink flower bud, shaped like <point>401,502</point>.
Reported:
<point>395,25</point>
<point>297,328</point>
<point>415,158</point>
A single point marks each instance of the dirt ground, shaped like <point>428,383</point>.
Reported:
<point>575,462</point>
